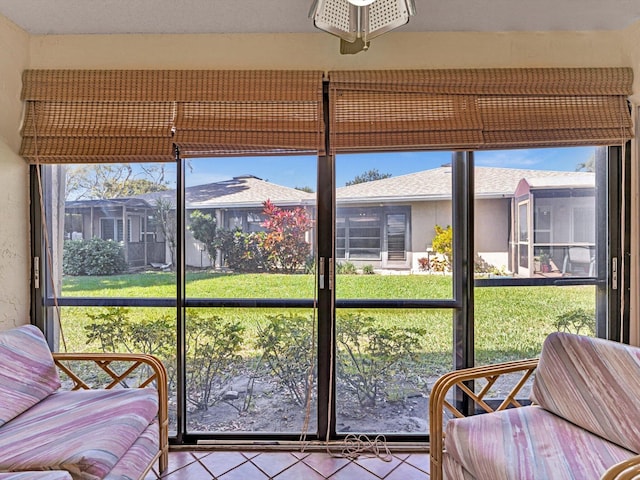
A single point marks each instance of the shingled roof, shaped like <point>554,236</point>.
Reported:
<point>435,184</point>
<point>242,191</point>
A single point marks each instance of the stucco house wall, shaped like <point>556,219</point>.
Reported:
<point>491,231</point>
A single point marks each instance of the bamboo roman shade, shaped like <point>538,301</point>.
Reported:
<point>478,109</point>
<point>139,115</point>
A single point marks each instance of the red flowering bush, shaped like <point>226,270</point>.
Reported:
<point>285,244</point>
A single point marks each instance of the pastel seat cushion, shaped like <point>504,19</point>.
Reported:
<point>27,372</point>
<point>55,475</point>
<point>528,443</point>
<point>136,460</point>
<point>592,383</point>
<point>85,432</point>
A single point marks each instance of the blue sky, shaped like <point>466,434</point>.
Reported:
<point>294,171</point>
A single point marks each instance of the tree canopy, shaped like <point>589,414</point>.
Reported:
<point>114,181</point>
<point>368,176</point>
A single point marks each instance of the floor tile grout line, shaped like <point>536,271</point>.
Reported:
<point>214,477</point>
<point>298,460</point>
<point>350,460</point>
<point>283,470</point>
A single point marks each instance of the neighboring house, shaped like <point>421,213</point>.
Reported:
<point>130,221</point>
<point>554,221</point>
<point>389,223</point>
<point>237,202</point>
<point>395,217</point>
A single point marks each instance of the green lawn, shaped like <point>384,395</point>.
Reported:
<point>510,322</point>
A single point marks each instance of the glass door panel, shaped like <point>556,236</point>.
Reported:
<point>394,220</point>
<point>525,288</point>
<point>393,245</point>
<point>249,240</point>
<point>112,284</point>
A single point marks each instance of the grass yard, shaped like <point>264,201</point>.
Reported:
<point>510,322</point>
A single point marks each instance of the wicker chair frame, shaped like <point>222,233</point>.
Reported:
<point>157,377</point>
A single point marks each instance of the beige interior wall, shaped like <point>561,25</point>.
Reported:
<point>320,51</point>
<point>14,199</point>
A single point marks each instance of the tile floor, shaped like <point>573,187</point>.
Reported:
<point>251,465</point>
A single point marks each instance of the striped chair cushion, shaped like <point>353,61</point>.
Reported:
<point>138,457</point>
<point>57,475</point>
<point>27,371</point>
<point>527,443</point>
<point>592,383</point>
<point>84,432</point>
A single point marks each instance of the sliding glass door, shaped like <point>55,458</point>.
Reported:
<point>316,297</point>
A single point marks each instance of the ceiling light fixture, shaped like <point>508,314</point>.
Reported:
<point>356,22</point>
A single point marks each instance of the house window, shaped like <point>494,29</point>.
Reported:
<point>359,234</point>
<point>396,236</point>
<point>112,229</point>
<point>245,220</point>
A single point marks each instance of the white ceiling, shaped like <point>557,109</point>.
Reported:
<point>291,16</point>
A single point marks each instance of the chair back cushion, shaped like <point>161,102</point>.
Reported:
<point>593,383</point>
<point>27,371</point>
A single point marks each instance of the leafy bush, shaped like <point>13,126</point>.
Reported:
<point>423,264</point>
<point>212,353</point>
<point>242,252</point>
<point>370,354</point>
<point>93,257</point>
<point>442,242</point>
<point>480,265</point>
<point>287,345</point>
<point>116,332</point>
<point>346,268</point>
<point>368,270</point>
<point>203,228</point>
<point>285,245</point>
<point>578,321</point>
<point>213,357</point>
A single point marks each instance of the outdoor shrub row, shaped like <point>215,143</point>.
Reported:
<point>369,355</point>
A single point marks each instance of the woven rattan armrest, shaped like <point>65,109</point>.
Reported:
<point>628,469</point>
<point>156,377</point>
<point>438,401</point>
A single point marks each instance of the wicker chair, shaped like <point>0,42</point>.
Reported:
<point>575,397</point>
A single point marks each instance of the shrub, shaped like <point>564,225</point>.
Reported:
<point>346,268</point>
<point>577,321</point>
<point>203,228</point>
<point>423,264</point>
<point>284,244</point>
<point>442,242</point>
<point>369,355</point>
<point>93,257</point>
<point>368,270</point>
<point>213,357</point>
<point>242,252</point>
<point>287,346</point>
<point>212,353</point>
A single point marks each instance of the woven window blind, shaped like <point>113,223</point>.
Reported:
<point>478,109</point>
<point>78,116</point>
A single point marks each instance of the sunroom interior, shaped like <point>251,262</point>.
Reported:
<point>232,96</point>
